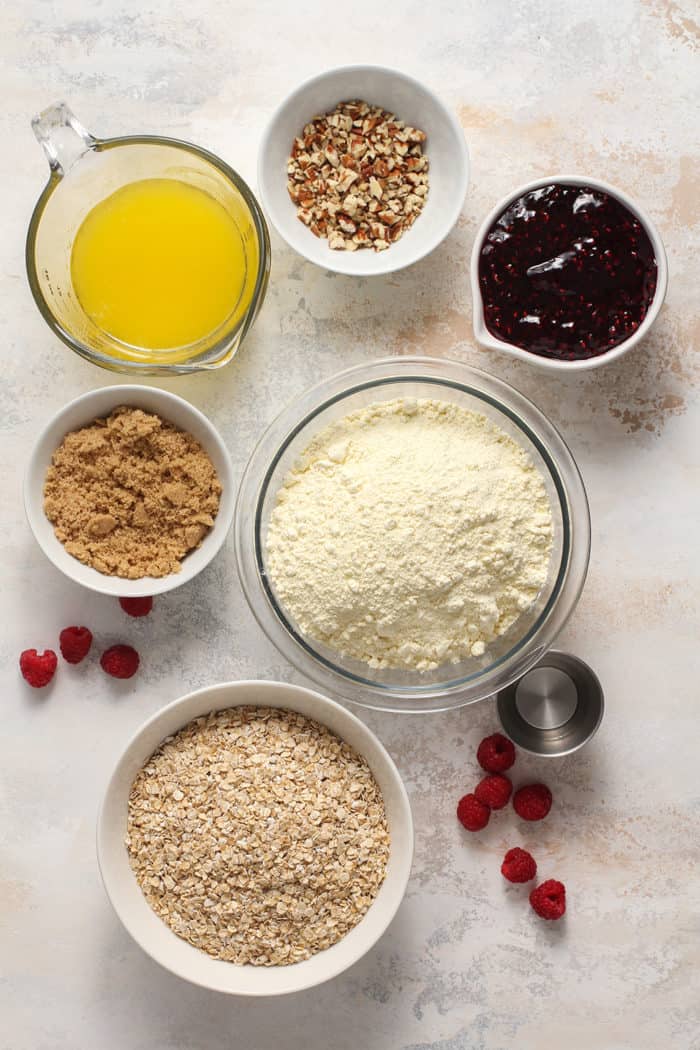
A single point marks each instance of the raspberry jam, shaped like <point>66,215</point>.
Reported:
<point>566,272</point>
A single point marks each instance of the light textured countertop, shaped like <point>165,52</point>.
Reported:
<point>609,89</point>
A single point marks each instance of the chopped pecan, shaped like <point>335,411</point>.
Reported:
<point>346,224</point>
<point>375,187</point>
<point>358,176</point>
<point>346,180</point>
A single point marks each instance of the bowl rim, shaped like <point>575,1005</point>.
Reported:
<point>481,332</point>
<point>289,696</point>
<point>56,428</point>
<point>572,500</point>
<point>333,265</point>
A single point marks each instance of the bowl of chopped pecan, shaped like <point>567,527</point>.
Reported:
<point>363,170</point>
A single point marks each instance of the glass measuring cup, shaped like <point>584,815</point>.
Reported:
<point>84,171</point>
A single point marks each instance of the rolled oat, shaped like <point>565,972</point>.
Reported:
<point>257,835</point>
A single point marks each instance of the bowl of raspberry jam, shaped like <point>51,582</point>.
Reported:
<point>567,273</point>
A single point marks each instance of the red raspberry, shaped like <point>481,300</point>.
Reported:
<point>121,661</point>
<point>472,814</point>
<point>495,753</point>
<point>549,899</point>
<point>38,670</point>
<point>494,791</point>
<point>75,643</point>
<point>136,606</point>
<point>518,865</point>
<point>532,802</point>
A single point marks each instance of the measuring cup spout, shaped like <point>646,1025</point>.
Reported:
<point>62,137</point>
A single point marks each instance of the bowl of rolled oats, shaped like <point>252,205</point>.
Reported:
<point>363,170</point>
<point>255,838</point>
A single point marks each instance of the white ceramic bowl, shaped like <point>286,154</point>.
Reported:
<point>487,339</point>
<point>99,403</point>
<point>413,103</point>
<point>176,954</point>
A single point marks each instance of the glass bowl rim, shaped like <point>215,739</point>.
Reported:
<point>295,417</point>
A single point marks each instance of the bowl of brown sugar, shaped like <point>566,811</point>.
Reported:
<point>129,491</point>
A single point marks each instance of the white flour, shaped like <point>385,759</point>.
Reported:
<point>411,533</point>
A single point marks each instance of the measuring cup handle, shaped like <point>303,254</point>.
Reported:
<point>62,137</point>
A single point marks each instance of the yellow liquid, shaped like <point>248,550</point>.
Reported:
<point>161,264</point>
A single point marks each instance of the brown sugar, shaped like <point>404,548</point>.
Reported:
<point>131,495</point>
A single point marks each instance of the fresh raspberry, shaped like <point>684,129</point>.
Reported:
<point>494,791</point>
<point>121,661</point>
<point>518,865</point>
<point>136,606</point>
<point>38,670</point>
<point>532,802</point>
<point>75,643</point>
<point>549,899</point>
<point>472,814</point>
<point>495,753</point>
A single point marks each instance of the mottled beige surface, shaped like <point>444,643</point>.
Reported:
<point>609,89</point>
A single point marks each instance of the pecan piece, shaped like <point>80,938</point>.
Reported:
<point>358,176</point>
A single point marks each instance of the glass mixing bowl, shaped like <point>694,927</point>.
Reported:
<point>511,655</point>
